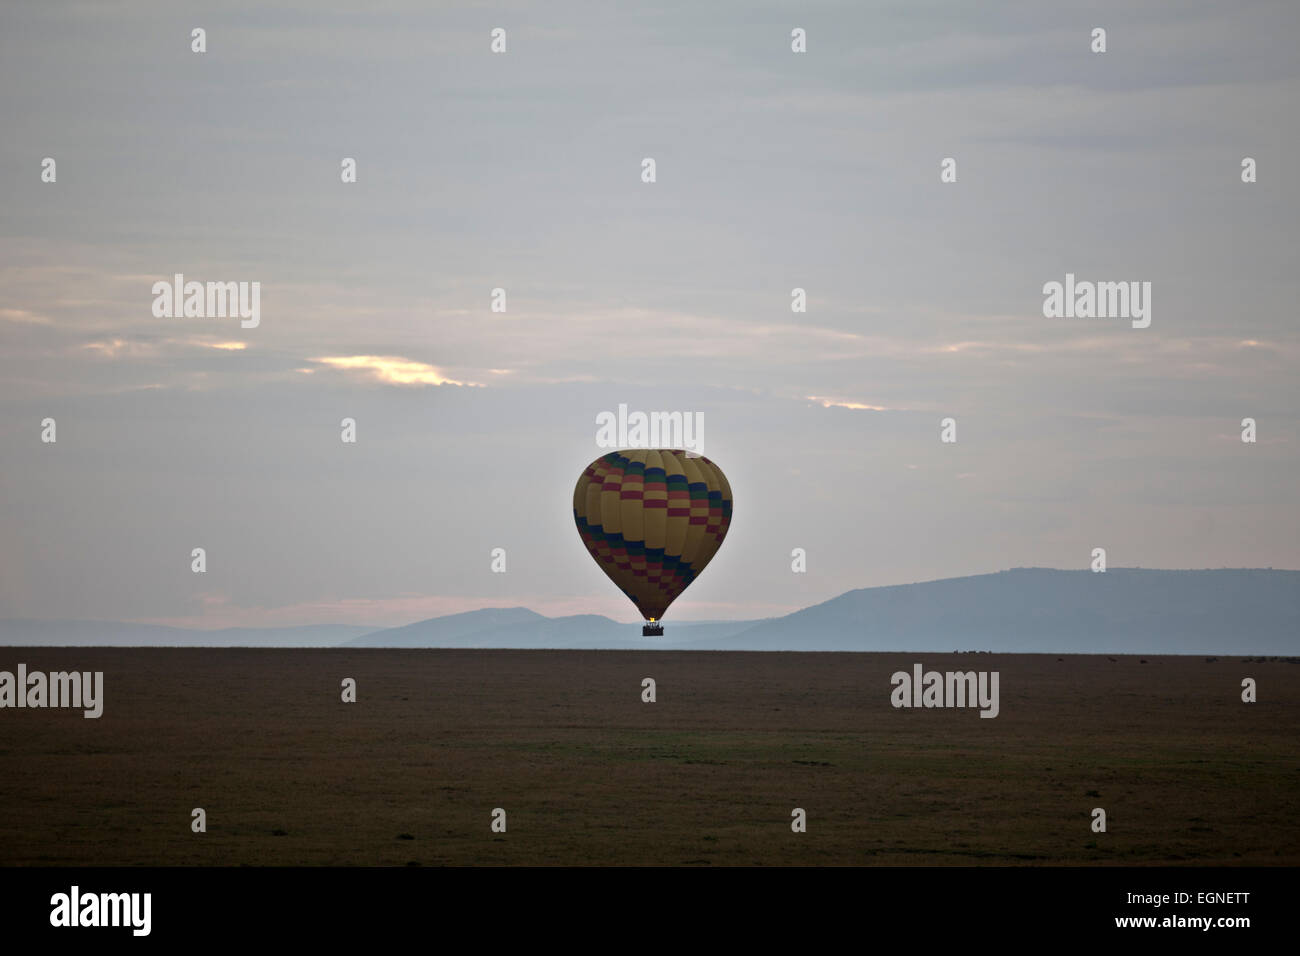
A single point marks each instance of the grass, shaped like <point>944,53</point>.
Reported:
<point>588,774</point>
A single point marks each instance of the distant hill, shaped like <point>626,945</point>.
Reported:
<point>1123,611</point>
<point>518,627</point>
<point>119,634</point>
<point>453,630</point>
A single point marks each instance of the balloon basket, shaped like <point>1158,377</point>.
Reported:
<point>652,630</point>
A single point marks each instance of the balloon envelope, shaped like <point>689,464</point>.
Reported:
<point>652,519</point>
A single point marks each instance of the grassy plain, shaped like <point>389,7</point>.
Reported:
<point>589,774</point>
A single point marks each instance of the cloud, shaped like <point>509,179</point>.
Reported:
<point>22,315</point>
<point>393,370</point>
<point>115,348</point>
<point>835,403</point>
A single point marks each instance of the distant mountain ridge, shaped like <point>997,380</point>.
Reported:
<point>1026,610</point>
<point>1022,610</point>
<point>124,634</point>
<point>518,627</point>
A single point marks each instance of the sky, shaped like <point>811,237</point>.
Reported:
<point>522,171</point>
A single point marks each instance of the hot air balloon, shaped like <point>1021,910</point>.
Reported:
<point>652,518</point>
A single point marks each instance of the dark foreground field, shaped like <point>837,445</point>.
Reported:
<point>587,773</point>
